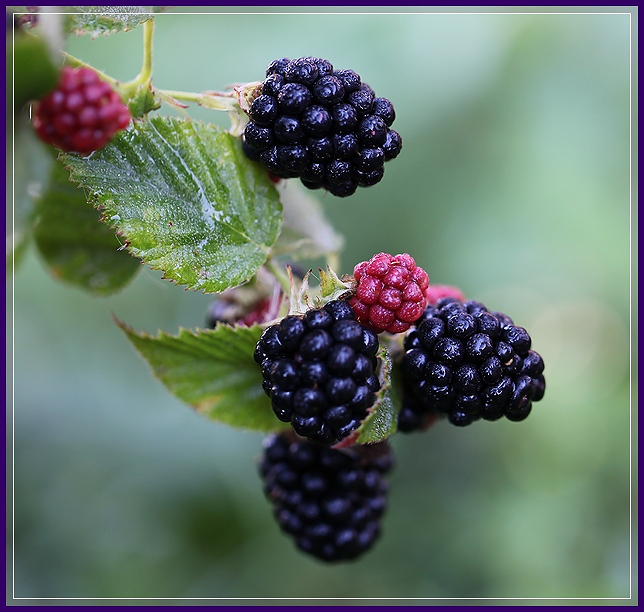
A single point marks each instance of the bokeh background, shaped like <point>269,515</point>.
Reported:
<point>513,184</point>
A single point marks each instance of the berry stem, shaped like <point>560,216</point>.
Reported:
<point>145,75</point>
<point>74,62</point>
<point>146,70</point>
<point>128,89</point>
<point>279,274</point>
<point>216,100</point>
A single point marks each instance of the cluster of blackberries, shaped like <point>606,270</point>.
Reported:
<point>319,370</point>
<point>330,501</point>
<point>323,126</point>
<point>468,363</point>
<point>82,114</point>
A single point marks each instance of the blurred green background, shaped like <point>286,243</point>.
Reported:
<point>513,184</point>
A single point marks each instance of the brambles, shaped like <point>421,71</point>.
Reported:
<point>468,363</point>
<point>323,126</point>
<point>82,114</point>
<point>319,370</point>
<point>179,194</point>
<point>329,501</point>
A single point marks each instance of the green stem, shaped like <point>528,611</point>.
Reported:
<point>226,101</point>
<point>279,274</point>
<point>128,89</point>
<point>145,76</point>
<point>70,60</point>
<point>146,70</point>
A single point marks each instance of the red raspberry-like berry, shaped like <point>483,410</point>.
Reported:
<point>436,292</point>
<point>390,292</point>
<point>82,114</point>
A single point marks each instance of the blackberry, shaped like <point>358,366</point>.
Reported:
<point>466,362</point>
<point>82,114</point>
<point>329,501</point>
<point>390,292</point>
<point>319,370</point>
<point>308,112</point>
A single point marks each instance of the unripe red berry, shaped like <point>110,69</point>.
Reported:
<point>390,292</point>
<point>82,114</point>
<point>434,293</point>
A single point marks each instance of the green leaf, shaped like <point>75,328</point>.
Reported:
<point>213,371</point>
<point>34,73</point>
<point>76,246</point>
<point>185,199</point>
<point>32,161</point>
<point>103,20</point>
<point>382,420</point>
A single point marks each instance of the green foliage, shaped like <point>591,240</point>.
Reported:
<point>213,371</point>
<point>37,74</point>
<point>185,201</point>
<point>104,20</point>
<point>77,248</point>
<point>31,167</point>
<point>381,423</point>
<point>514,185</point>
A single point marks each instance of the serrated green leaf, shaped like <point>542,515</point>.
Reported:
<point>213,371</point>
<point>103,20</point>
<point>185,199</point>
<point>76,246</point>
<point>382,420</point>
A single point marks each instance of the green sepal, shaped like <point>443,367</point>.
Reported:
<point>143,101</point>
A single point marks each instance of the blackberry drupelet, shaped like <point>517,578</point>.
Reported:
<point>330,501</point>
<point>468,363</point>
<point>82,114</point>
<point>319,370</point>
<point>309,118</point>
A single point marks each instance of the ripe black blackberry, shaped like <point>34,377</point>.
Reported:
<point>319,370</point>
<point>330,501</point>
<point>468,363</point>
<point>323,126</point>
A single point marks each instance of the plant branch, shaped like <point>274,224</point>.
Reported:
<point>70,60</point>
